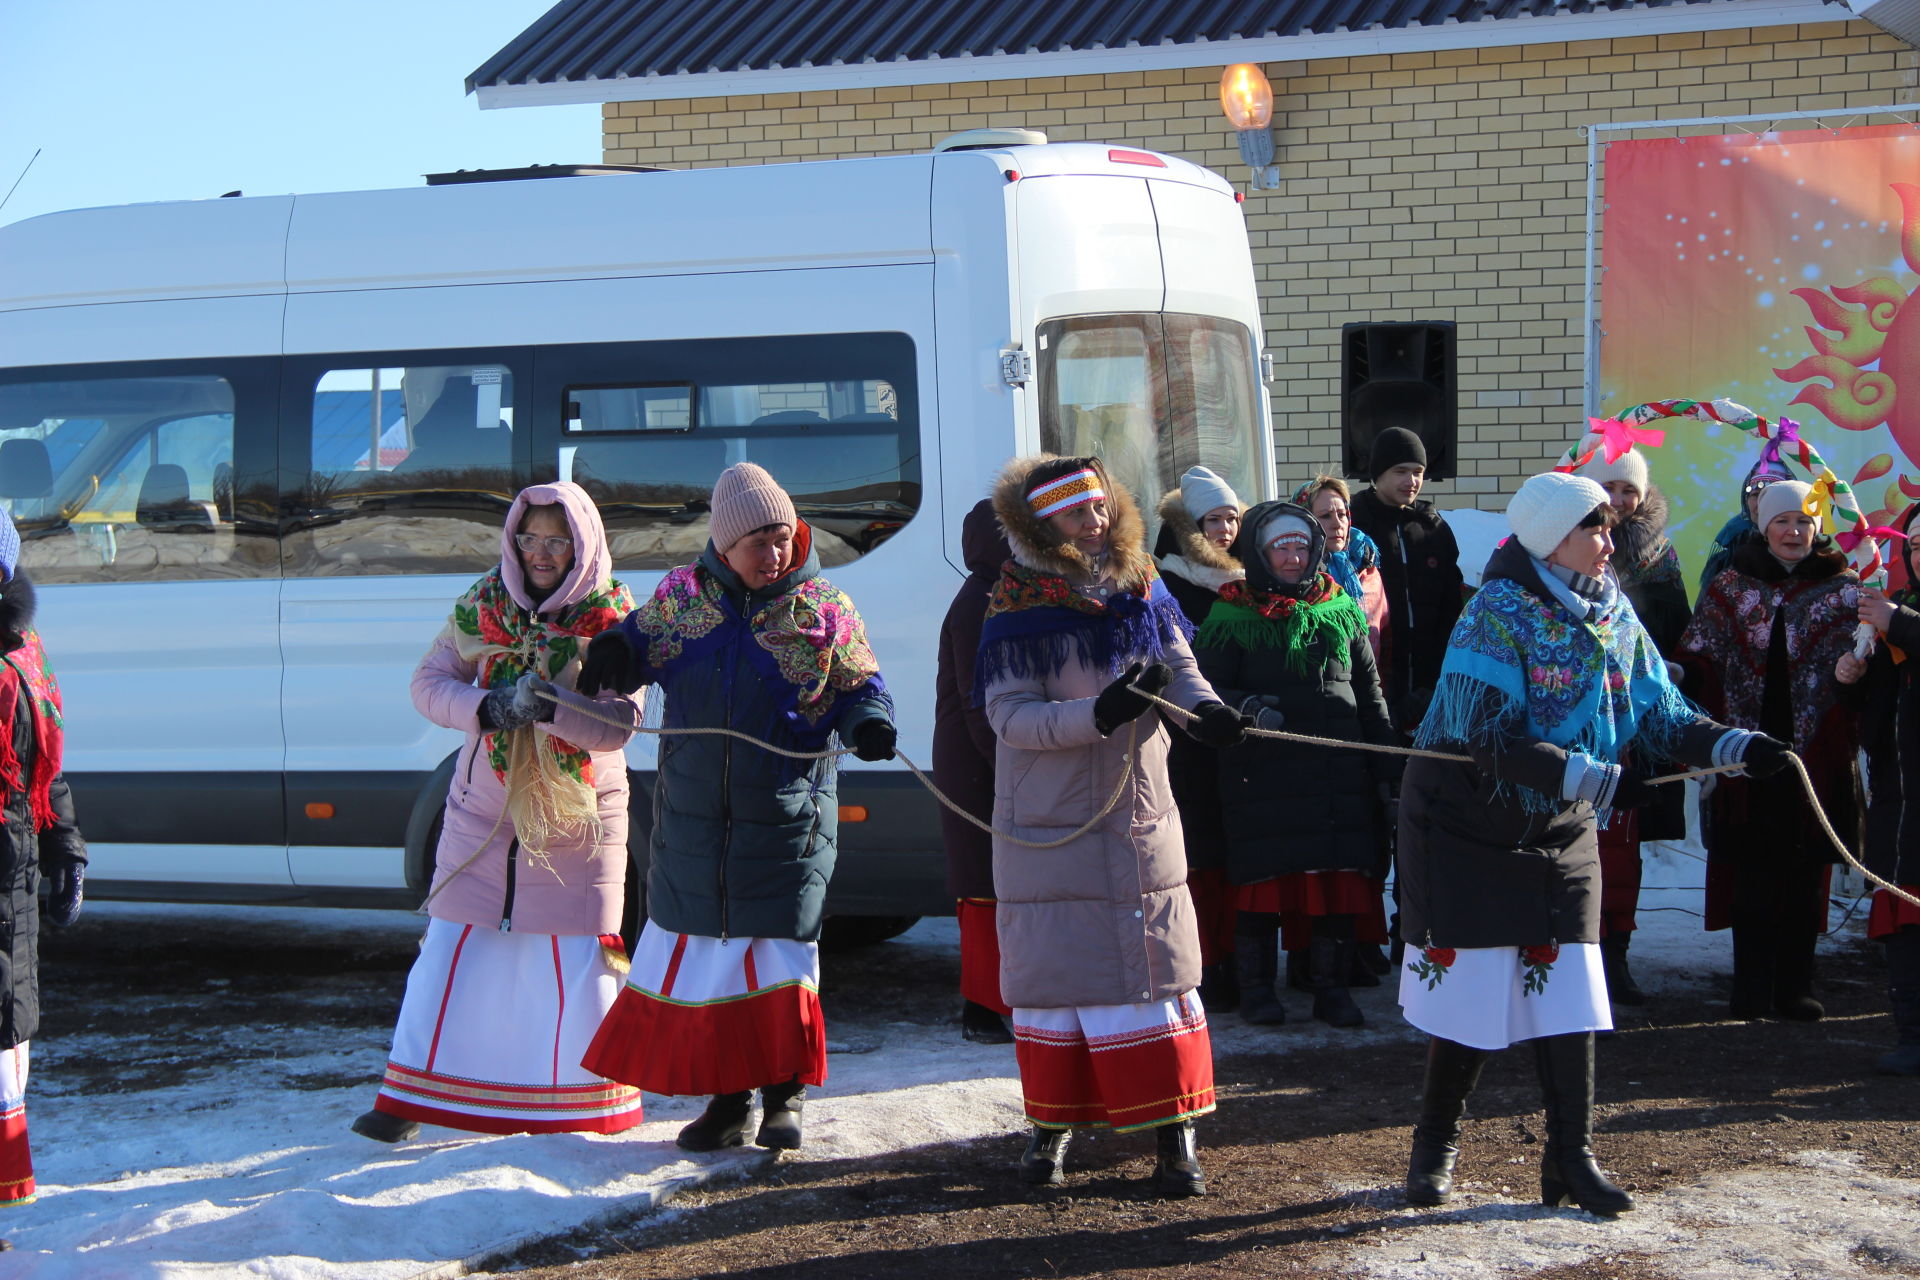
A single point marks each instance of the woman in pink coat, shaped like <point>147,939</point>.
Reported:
<point>522,956</point>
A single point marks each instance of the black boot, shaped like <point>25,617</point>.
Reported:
<point>1329,958</point>
<point>1903,993</point>
<point>1752,972</point>
<point>1256,957</point>
<point>1452,1071</point>
<point>1176,1170</point>
<point>1567,1168</point>
<point>982,1025</point>
<point>1793,976</point>
<point>722,1124</point>
<point>382,1127</point>
<point>1044,1163</point>
<point>780,1106</point>
<point>1369,964</point>
<point>1621,988</point>
<point>1219,986</point>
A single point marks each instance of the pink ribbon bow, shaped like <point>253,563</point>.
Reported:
<point>1616,437</point>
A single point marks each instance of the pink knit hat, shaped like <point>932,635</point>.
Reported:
<point>746,498</point>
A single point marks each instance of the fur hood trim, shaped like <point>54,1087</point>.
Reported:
<point>1180,540</point>
<point>1128,566</point>
<point>17,607</point>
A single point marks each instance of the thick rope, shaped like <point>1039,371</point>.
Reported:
<point>1126,770</point>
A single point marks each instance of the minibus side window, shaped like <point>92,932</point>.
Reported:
<point>142,481</point>
<point>649,455</point>
<point>411,471</point>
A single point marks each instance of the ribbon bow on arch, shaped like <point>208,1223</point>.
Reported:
<point>1819,502</point>
<point>1616,437</point>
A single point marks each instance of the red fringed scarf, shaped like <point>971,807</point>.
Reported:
<point>29,663</point>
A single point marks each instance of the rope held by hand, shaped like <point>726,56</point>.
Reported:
<point>1182,715</point>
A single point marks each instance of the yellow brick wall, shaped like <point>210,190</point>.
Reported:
<point>1432,186</point>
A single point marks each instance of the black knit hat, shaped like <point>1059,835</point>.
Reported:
<point>1392,447</point>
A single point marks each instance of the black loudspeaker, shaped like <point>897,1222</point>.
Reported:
<point>1398,375</point>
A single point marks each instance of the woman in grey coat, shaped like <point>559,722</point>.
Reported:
<point>1098,942</point>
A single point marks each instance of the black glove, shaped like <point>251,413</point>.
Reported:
<point>527,702</point>
<point>1217,725</point>
<point>1118,704</point>
<point>65,892</point>
<point>1634,791</point>
<point>1263,712</point>
<point>500,711</point>
<point>609,664</point>
<point>1764,756</point>
<point>874,740</point>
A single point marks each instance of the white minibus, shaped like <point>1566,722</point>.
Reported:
<point>255,447</point>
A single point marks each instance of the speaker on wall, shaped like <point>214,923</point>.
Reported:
<point>1395,374</point>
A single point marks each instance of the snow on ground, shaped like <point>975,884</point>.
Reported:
<point>248,1169</point>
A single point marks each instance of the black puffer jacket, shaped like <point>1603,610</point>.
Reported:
<point>1288,807</point>
<point>26,855</point>
<point>1420,569</point>
<point>1891,731</point>
<point>1477,868</point>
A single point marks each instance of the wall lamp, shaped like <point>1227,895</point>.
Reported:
<point>1247,99</point>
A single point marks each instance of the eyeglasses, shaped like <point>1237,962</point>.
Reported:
<point>534,542</point>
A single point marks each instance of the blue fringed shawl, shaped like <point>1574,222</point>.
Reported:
<point>1520,665</point>
<point>1037,623</point>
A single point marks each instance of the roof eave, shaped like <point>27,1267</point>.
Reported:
<point>1718,15</point>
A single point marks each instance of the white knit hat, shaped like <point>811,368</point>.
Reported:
<point>1630,466</point>
<point>1780,496</point>
<point>1202,491</point>
<point>1550,506</point>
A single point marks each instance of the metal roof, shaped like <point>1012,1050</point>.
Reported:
<point>578,41</point>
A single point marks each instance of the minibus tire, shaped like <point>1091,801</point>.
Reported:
<point>848,933</point>
<point>423,826</point>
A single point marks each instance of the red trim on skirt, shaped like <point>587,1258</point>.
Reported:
<point>16,1159</point>
<point>728,1046</point>
<point>1299,897</point>
<point>1888,914</point>
<point>1214,906</point>
<point>1619,873</point>
<point>473,1123</point>
<point>1154,1076</point>
<point>980,954</point>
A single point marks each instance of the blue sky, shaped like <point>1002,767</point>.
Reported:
<point>133,100</point>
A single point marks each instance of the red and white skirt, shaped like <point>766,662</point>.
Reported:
<point>491,1031</point>
<point>1492,997</point>
<point>711,1015</point>
<point>16,1162</point>
<point>1129,1066</point>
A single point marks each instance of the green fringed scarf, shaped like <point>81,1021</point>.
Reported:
<point>1255,619</point>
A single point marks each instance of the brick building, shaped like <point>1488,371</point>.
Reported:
<point>1435,170</point>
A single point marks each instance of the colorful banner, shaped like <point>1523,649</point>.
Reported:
<point>1773,270</point>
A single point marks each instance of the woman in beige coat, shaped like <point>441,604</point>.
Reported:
<point>1099,949</point>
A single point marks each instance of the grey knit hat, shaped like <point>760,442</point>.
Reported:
<point>1201,491</point>
<point>1780,497</point>
<point>746,498</point>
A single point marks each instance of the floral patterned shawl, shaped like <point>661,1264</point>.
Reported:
<point>1518,662</point>
<point>28,665</point>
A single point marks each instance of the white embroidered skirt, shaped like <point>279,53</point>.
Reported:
<point>1130,1066</point>
<point>708,1015</point>
<point>16,1161</point>
<point>491,1032</point>
<point>1491,997</point>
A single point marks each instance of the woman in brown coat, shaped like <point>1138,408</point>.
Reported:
<point>1098,944</point>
